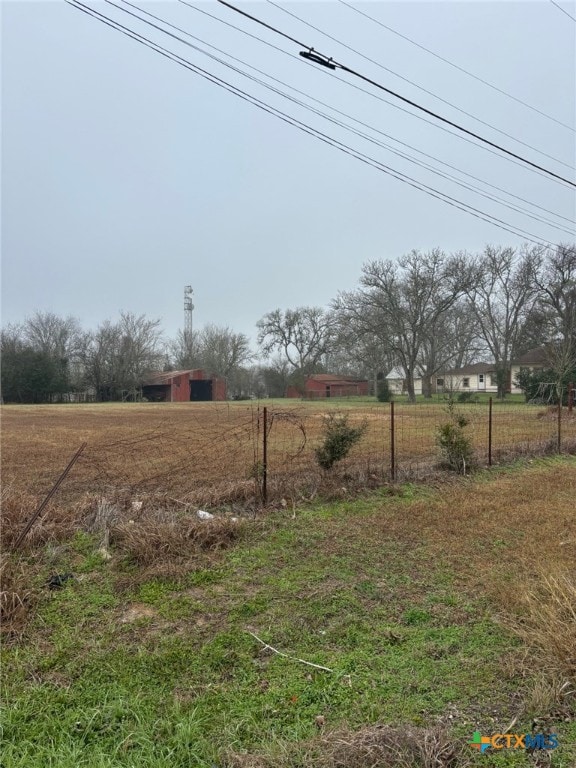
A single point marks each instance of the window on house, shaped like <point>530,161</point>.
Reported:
<point>493,380</point>
<point>481,378</point>
<point>466,382</point>
<point>439,382</point>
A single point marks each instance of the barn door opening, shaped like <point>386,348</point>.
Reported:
<point>201,389</point>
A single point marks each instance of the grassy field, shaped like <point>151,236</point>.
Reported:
<point>211,453</point>
<point>431,606</point>
<point>430,612</point>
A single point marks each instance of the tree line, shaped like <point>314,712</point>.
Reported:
<point>424,313</point>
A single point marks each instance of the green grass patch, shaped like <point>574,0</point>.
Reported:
<point>91,684</point>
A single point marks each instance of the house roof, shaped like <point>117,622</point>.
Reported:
<point>163,377</point>
<point>537,356</point>
<point>471,369</point>
<point>331,378</point>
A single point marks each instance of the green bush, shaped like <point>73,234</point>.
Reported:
<point>339,437</point>
<point>456,451</point>
<point>542,386</point>
<point>465,397</point>
<point>383,392</point>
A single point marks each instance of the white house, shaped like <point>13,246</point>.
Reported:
<point>397,382</point>
<point>477,377</point>
<point>534,360</point>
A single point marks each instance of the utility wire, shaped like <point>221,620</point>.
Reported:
<point>411,82</point>
<point>511,228</point>
<point>366,79</point>
<point>563,11</point>
<point>326,72</point>
<point>395,151</point>
<point>456,66</point>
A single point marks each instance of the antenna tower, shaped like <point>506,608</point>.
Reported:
<point>188,327</point>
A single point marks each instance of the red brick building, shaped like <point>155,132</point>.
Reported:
<point>322,385</point>
<point>183,387</point>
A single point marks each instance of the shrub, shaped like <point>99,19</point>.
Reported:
<point>383,392</point>
<point>339,437</point>
<point>465,397</point>
<point>457,453</point>
<point>542,386</point>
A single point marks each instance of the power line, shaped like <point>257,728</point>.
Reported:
<point>317,112</point>
<point>563,11</point>
<point>456,66</point>
<point>347,83</point>
<point>489,218</point>
<point>344,68</point>
<point>421,88</point>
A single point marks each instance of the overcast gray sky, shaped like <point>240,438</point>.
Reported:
<point>126,177</point>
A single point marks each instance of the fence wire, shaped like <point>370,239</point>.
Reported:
<point>213,454</point>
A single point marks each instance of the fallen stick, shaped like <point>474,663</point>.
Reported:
<point>286,656</point>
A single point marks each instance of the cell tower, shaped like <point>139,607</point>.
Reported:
<point>188,327</point>
<point>188,307</point>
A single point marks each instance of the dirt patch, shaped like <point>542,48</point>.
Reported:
<point>136,612</point>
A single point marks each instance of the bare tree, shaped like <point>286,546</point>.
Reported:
<point>185,351</point>
<point>224,353</point>
<point>119,355</point>
<point>356,353</point>
<point>404,304</point>
<point>557,304</point>
<point>501,298</point>
<point>61,338</point>
<point>48,332</point>
<point>303,335</point>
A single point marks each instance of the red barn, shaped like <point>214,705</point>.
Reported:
<point>322,385</point>
<point>183,386</point>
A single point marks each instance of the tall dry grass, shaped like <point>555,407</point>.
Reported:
<point>545,619</point>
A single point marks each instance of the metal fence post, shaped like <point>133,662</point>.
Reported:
<point>265,457</point>
<point>570,397</point>
<point>560,423</point>
<point>490,431</point>
<point>392,444</point>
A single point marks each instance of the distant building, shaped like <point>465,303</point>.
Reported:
<point>323,385</point>
<point>183,387</point>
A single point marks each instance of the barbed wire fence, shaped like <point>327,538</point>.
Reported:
<point>242,457</point>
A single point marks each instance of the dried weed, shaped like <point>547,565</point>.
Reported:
<point>150,540</point>
<point>15,599</point>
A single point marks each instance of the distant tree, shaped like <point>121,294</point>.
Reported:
<point>185,351</point>
<point>383,392</point>
<point>48,332</point>
<point>546,386</point>
<point>304,336</point>
<point>404,304</point>
<point>501,296</point>
<point>119,355</point>
<point>218,350</point>
<point>556,302</point>
<point>356,353</point>
<point>276,376</point>
<point>29,375</point>
<point>224,353</point>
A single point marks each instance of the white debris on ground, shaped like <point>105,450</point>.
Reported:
<point>202,515</point>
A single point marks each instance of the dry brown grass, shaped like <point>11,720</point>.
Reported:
<point>401,747</point>
<point>147,542</point>
<point>209,453</point>
<point>57,523</point>
<point>545,619</point>
<point>378,746</point>
<point>15,599</point>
